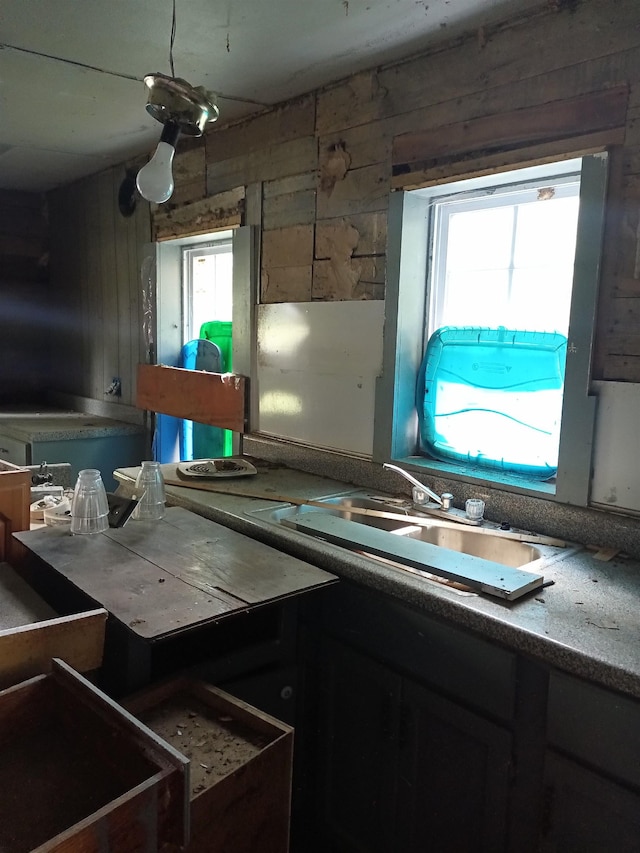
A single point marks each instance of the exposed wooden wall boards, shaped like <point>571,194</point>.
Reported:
<point>371,231</point>
<point>287,258</point>
<point>279,160</point>
<point>189,176</point>
<point>217,211</point>
<point>291,120</point>
<point>289,201</point>
<point>514,129</point>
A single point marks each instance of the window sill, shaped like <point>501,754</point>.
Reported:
<point>478,476</point>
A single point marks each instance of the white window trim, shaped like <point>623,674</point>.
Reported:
<point>395,413</point>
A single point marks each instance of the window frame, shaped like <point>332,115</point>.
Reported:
<point>189,252</point>
<point>395,430</point>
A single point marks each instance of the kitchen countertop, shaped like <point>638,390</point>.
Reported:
<point>585,624</point>
<point>30,425</point>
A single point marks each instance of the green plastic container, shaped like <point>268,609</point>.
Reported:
<point>220,332</point>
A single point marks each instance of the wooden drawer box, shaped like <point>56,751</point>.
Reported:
<point>241,762</point>
<point>77,773</point>
<point>15,495</point>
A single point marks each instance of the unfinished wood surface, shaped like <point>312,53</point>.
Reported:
<point>361,191</point>
<point>371,229</point>
<point>287,257</point>
<point>286,284</point>
<point>241,763</point>
<point>291,120</point>
<point>189,177</point>
<point>520,128</point>
<point>79,773</point>
<point>15,497</point>
<point>222,210</point>
<point>279,160</point>
<point>346,278</point>
<point>551,152</point>
<point>163,578</point>
<point>27,649</point>
<point>217,399</point>
<point>289,201</point>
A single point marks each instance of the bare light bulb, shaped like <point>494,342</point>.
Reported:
<point>155,180</point>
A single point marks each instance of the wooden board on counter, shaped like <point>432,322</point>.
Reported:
<point>217,399</point>
<point>163,578</point>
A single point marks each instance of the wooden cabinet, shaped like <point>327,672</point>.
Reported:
<point>455,769</point>
<point>400,765</point>
<point>592,770</point>
<point>358,751</point>
<point>585,812</point>
<point>15,491</point>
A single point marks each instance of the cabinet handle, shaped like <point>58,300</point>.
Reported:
<point>4,449</point>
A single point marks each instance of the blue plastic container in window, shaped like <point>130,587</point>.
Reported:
<point>493,398</point>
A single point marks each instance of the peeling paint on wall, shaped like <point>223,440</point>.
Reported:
<point>333,167</point>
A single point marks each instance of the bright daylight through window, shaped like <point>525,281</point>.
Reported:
<point>490,316</point>
<point>500,278</point>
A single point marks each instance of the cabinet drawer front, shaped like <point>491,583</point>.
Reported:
<point>462,665</point>
<point>12,450</point>
<point>596,725</point>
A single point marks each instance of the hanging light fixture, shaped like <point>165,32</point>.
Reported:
<point>181,108</point>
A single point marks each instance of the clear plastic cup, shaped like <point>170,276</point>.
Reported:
<point>89,505</point>
<point>150,493</point>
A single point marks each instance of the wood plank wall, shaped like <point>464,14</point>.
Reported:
<point>24,273</point>
<point>98,296</point>
<point>318,170</point>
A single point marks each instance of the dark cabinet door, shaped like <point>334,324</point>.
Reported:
<point>586,812</point>
<point>454,782</point>
<point>357,751</point>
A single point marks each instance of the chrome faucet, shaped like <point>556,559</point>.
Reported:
<point>419,491</point>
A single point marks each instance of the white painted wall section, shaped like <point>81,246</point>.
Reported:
<point>616,458</point>
<point>317,369</point>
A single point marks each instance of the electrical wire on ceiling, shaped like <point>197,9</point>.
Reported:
<point>87,67</point>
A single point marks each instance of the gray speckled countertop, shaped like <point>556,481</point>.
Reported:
<point>30,425</point>
<point>587,623</point>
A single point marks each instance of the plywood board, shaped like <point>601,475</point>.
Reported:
<point>217,399</point>
<point>162,578</point>
<point>317,369</point>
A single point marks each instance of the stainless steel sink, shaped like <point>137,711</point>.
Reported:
<point>471,556</point>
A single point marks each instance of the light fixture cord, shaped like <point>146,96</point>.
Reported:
<point>173,38</point>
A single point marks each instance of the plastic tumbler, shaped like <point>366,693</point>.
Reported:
<point>89,505</point>
<point>150,493</point>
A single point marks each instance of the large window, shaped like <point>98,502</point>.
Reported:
<point>509,264</point>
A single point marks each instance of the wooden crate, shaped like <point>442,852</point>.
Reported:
<point>77,773</point>
<point>241,765</point>
<point>15,495</point>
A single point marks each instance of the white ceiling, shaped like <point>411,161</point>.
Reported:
<point>71,92</point>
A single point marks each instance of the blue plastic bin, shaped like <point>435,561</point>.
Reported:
<point>493,398</point>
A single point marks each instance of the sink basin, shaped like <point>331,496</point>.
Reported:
<point>481,558</point>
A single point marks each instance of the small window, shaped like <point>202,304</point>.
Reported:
<point>510,261</point>
<point>207,285</point>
